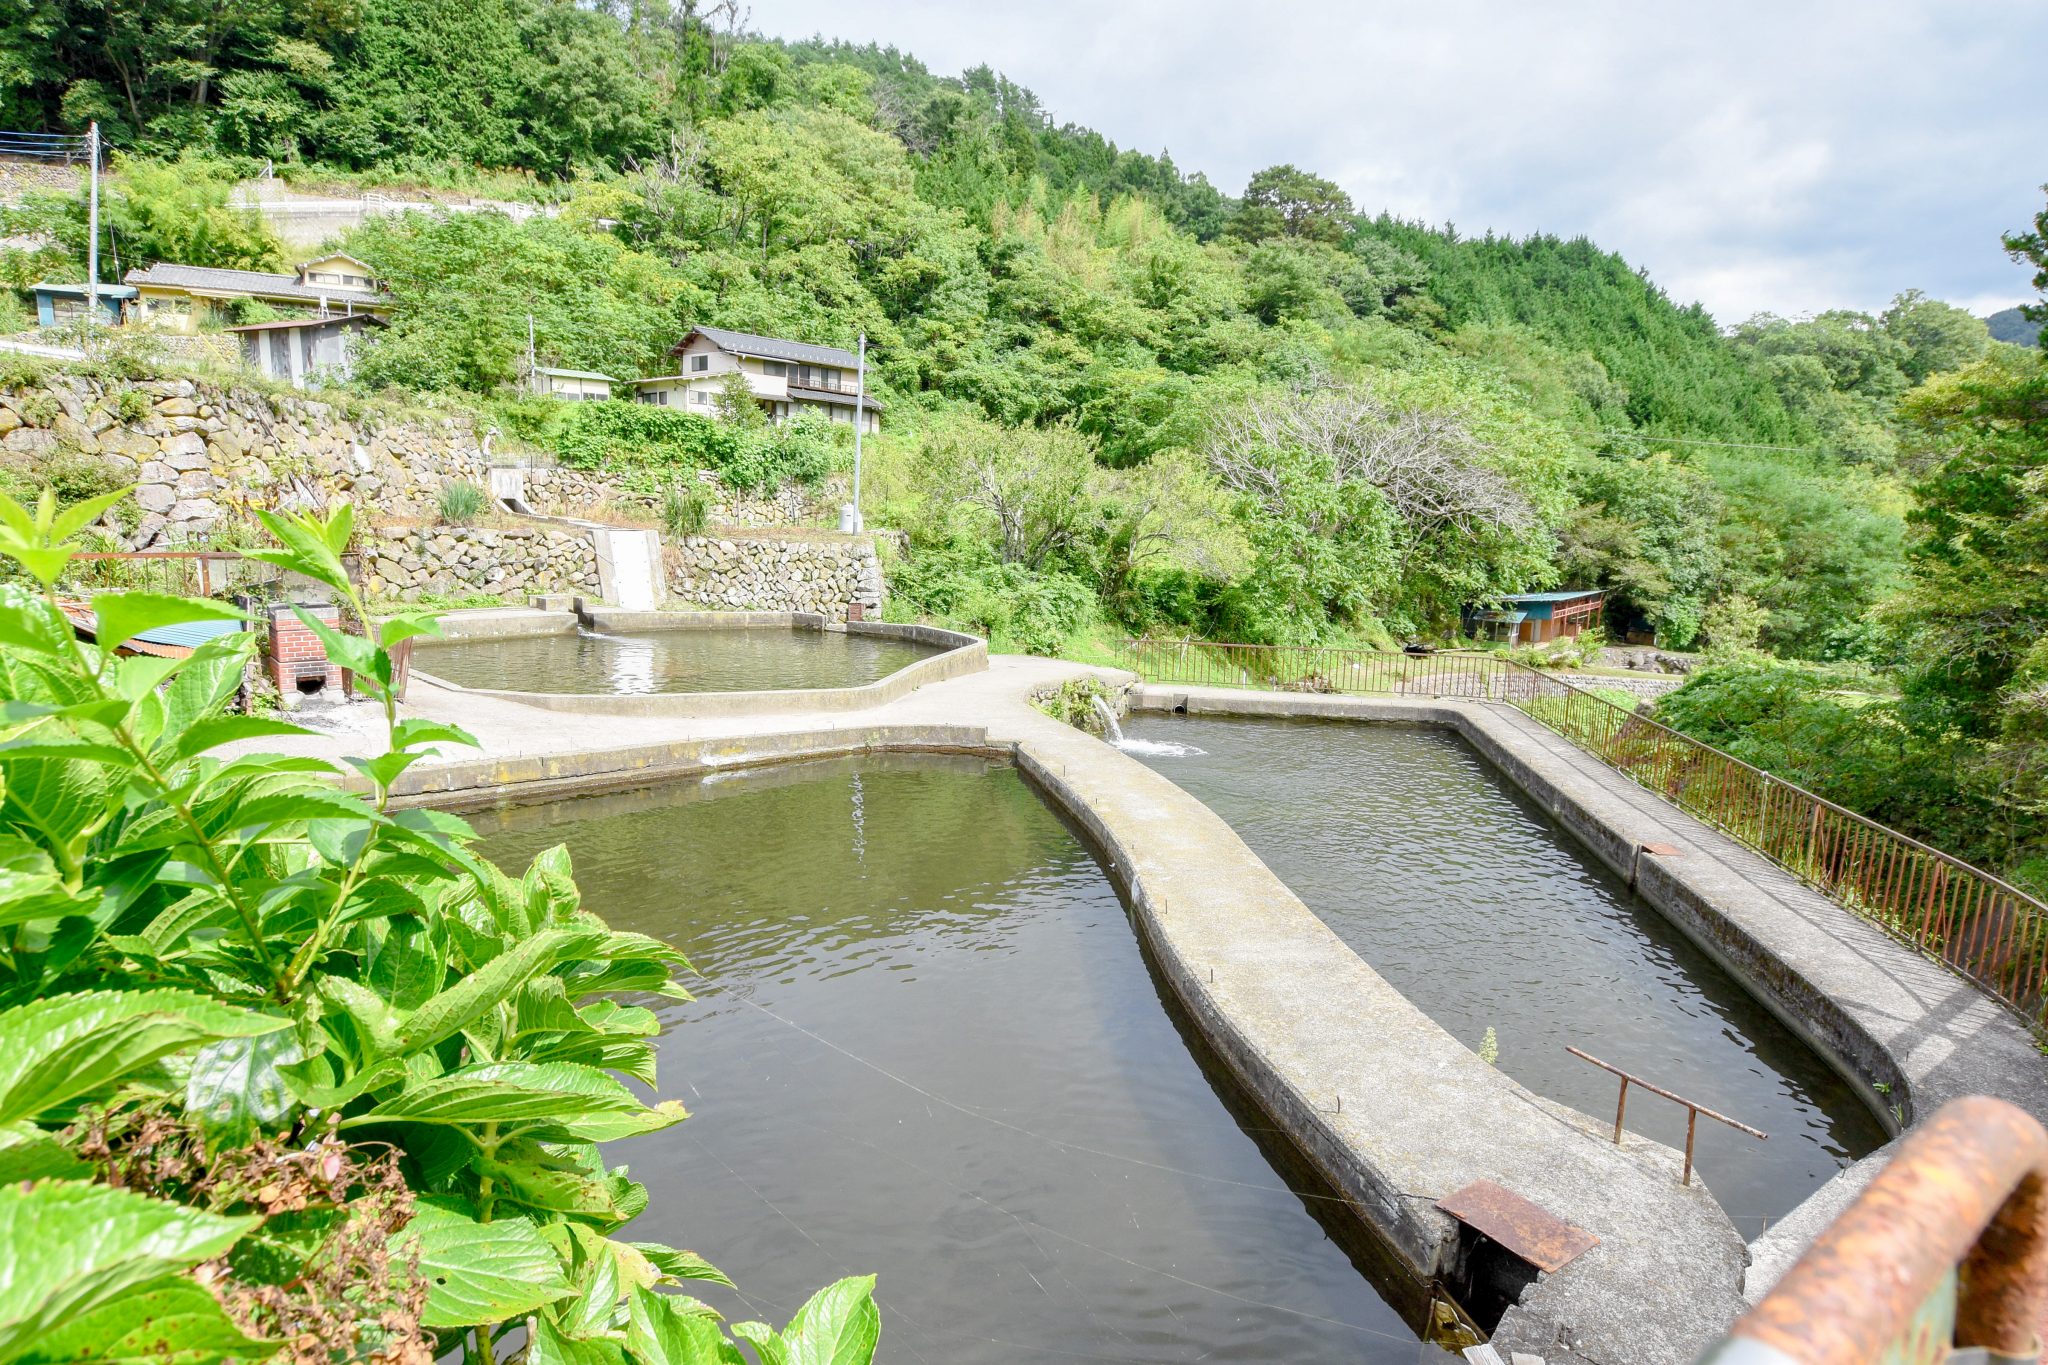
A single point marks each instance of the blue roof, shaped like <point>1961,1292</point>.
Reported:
<point>190,634</point>
<point>1552,596</point>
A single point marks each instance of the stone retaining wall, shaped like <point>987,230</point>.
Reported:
<point>202,453</point>
<point>1649,686</point>
<point>817,573</point>
<point>404,561</point>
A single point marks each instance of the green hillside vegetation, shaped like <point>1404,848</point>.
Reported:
<point>1119,399</point>
<point>2014,326</point>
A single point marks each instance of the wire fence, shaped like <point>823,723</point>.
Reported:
<point>1977,923</point>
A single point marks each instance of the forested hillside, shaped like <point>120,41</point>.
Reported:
<point>1119,399</point>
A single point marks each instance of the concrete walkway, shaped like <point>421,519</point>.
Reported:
<point>1393,1110</point>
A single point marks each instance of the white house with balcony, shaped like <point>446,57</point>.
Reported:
<point>787,378</point>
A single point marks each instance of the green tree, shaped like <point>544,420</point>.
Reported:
<point>1285,201</point>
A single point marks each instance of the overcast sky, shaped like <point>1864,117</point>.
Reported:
<point>1786,156</point>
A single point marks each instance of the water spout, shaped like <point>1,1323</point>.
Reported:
<point>1110,729</point>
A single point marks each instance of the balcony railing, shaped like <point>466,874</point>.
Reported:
<point>1979,924</point>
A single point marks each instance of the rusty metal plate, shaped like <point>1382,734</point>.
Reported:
<point>1532,1233</point>
<point>1664,850</point>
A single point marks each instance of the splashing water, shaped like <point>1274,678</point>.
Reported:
<point>1148,748</point>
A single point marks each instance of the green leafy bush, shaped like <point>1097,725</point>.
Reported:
<point>301,1036</point>
<point>628,436</point>
<point>1017,608</point>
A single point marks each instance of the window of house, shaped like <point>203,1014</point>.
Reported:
<point>699,364</point>
<point>700,398</point>
<point>66,310</point>
<point>776,367</point>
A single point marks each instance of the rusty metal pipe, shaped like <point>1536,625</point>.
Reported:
<point>1968,1188</point>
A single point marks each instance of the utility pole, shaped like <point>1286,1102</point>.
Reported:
<point>860,393</point>
<point>92,245</point>
<point>531,387</point>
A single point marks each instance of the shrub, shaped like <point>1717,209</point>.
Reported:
<point>1015,607</point>
<point>685,507</point>
<point>627,436</point>
<point>300,1066</point>
<point>461,502</point>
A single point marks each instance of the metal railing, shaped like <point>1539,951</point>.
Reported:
<point>1693,1109</point>
<point>1977,923</point>
<point>1942,1259</point>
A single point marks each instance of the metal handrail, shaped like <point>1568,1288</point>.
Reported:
<point>1962,1209</point>
<point>1972,920</point>
<point>1692,1107</point>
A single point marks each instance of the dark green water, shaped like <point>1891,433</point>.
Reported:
<point>929,1047</point>
<point>758,659</point>
<point>1476,906</point>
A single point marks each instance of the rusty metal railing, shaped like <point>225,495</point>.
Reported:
<point>1693,1109</point>
<point>1977,923</point>
<point>1943,1258</point>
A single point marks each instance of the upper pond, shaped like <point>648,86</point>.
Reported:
<point>741,659</point>
<point>928,1046</point>
<point>1465,896</point>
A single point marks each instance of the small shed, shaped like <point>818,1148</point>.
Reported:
<point>578,386</point>
<point>1535,618</point>
<point>61,305</point>
<point>300,351</point>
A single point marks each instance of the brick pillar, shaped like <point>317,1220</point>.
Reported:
<point>297,655</point>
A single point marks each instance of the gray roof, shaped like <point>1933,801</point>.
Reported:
<point>775,348</point>
<point>214,280</point>
<point>573,374</point>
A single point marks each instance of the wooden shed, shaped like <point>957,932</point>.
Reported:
<point>1535,618</point>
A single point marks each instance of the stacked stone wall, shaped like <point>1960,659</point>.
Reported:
<point>406,562</point>
<point>776,573</point>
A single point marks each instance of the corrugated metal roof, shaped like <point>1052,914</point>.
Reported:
<point>367,318</point>
<point>213,279</point>
<point>1552,596</point>
<point>107,291</point>
<point>776,348</point>
<point>190,634</point>
<point>574,374</point>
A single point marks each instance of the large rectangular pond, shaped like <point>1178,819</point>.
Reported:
<point>1473,903</point>
<point>626,663</point>
<point>929,1046</point>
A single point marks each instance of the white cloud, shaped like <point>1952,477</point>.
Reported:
<point>1790,156</point>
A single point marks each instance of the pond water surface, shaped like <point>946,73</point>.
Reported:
<point>1473,903</point>
<point>740,659</point>
<point>929,1047</point>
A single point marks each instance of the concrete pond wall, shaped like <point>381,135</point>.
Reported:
<point>958,655</point>
<point>1390,1108</point>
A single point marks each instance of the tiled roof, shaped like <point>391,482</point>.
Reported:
<point>775,348</point>
<point>212,279</point>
